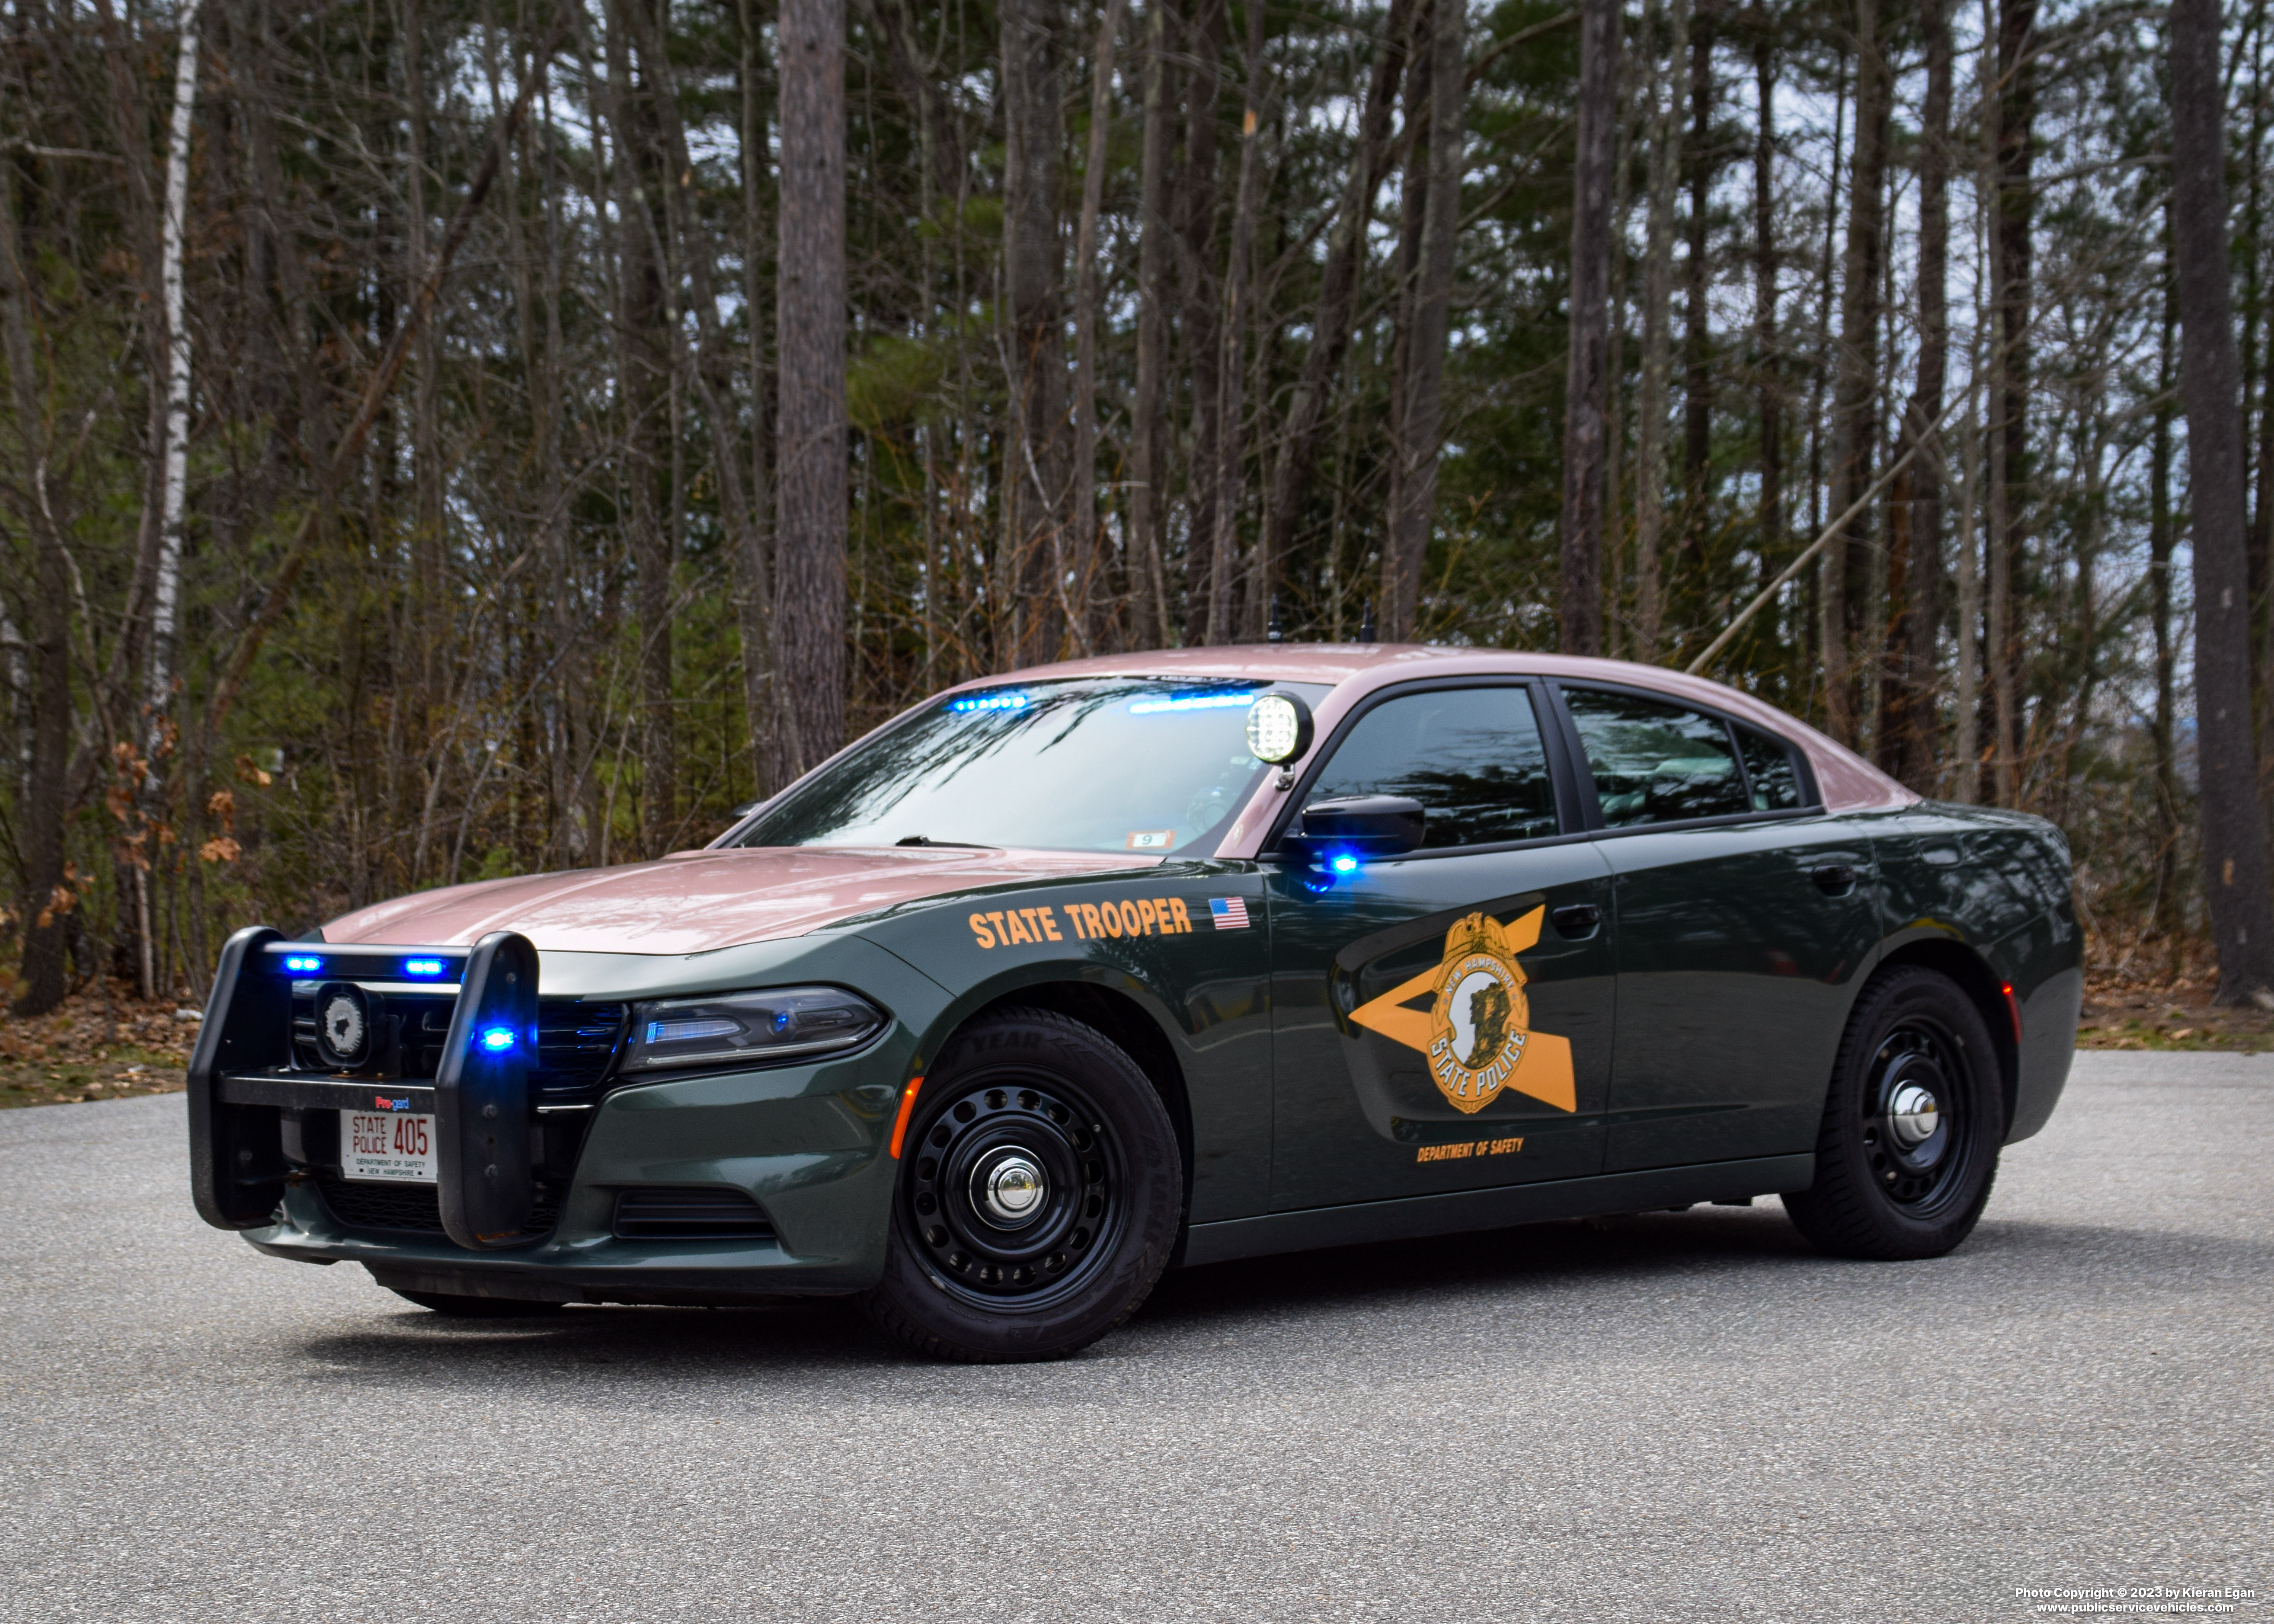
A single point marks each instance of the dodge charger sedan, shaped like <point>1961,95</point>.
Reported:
<point>1063,978</point>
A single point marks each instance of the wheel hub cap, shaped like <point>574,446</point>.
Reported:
<point>1009,1189</point>
<point>1912,1115</point>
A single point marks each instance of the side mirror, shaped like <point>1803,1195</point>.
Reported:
<point>1341,835</point>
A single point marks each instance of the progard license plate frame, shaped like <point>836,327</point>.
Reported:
<point>387,1147</point>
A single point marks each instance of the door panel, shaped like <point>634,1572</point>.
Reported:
<point>1740,943</point>
<point>1735,973</point>
<point>1434,1028</point>
<point>1365,1111</point>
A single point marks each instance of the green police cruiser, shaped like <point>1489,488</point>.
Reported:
<point>1064,978</point>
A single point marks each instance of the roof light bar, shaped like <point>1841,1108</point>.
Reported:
<point>989,701</point>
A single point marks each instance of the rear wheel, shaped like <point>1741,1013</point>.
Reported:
<point>1908,1145</point>
<point>1039,1194</point>
<point>479,1307</point>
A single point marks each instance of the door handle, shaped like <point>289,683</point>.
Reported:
<point>1833,879</point>
<point>1578,920</point>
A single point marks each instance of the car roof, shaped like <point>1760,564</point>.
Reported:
<point>1353,670</point>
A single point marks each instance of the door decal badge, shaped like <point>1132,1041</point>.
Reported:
<point>1475,1031</point>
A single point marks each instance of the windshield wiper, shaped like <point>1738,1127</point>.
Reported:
<point>968,845</point>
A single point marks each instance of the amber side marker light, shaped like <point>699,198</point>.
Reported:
<point>901,1122</point>
<point>2013,1011</point>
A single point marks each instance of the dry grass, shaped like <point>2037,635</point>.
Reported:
<point>79,1051</point>
<point>2159,996</point>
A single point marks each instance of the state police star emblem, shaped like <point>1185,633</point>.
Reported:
<point>1476,1032</point>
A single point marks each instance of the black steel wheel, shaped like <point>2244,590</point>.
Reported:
<point>1907,1149</point>
<point>1039,1194</point>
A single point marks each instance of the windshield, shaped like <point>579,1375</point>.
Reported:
<point>1097,764</point>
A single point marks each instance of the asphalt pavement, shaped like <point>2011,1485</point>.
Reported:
<point>1667,1417</point>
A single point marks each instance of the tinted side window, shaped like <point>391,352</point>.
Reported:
<point>1655,763</point>
<point>1471,755</point>
<point>1769,771</point>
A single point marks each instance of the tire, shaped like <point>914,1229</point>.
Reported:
<point>479,1307</point>
<point>1040,1191</point>
<point>1894,1183</point>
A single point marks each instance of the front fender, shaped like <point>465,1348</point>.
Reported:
<point>1205,987</point>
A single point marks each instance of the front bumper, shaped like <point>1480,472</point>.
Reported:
<point>810,1145</point>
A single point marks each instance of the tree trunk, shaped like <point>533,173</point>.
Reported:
<point>1224,553</point>
<point>1855,394</point>
<point>1196,201</point>
<point>809,351</point>
<point>166,576</point>
<point>1968,745</point>
<point>651,342</point>
<point>1651,407</point>
<point>1421,431</point>
<point>165,597</point>
<point>753,589</point>
<point>1148,461</point>
<point>429,556</point>
<point>2166,913</point>
<point>1586,392</point>
<point>1339,286</point>
<point>2014,138</point>
<point>1906,734</point>
<point>1404,290</point>
<point>45,899</point>
<point>1032,565</point>
<point>1698,341</point>
<point>1089,587</point>
<point>2233,834</point>
<point>1768,361</point>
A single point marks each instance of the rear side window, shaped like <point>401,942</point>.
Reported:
<point>1769,773</point>
<point>1655,763</point>
<point>1471,755</point>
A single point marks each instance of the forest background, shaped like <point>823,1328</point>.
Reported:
<point>449,439</point>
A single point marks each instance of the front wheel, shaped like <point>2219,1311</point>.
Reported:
<point>1909,1144</point>
<point>1039,1193</point>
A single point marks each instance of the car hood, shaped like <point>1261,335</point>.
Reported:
<point>692,902</point>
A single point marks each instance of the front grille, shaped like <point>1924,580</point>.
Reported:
<point>689,1215</point>
<point>576,1041</point>
<point>412,1208</point>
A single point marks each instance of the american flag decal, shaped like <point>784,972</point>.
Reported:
<point>1229,912</point>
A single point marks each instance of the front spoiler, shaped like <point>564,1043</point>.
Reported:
<point>566,1266</point>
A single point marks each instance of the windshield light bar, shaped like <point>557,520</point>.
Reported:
<point>1192,701</point>
<point>989,701</point>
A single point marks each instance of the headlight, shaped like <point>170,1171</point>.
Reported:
<point>756,1029</point>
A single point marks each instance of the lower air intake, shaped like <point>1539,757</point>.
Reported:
<point>690,1216</point>
<point>409,1208</point>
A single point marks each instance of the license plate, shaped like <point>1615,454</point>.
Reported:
<point>390,1147</point>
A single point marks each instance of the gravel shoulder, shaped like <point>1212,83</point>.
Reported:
<point>1665,1418</point>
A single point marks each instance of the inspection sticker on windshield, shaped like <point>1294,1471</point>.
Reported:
<point>1229,913</point>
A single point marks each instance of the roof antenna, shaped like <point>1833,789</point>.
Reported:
<point>1272,634</point>
<point>1366,626</point>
